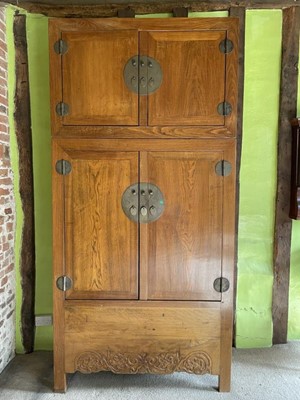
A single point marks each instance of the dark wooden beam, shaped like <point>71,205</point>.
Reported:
<point>180,12</point>
<point>24,141</point>
<point>283,224</point>
<point>103,8</point>
<point>126,13</point>
<point>239,12</point>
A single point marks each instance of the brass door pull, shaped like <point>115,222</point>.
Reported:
<point>133,210</point>
<point>144,211</point>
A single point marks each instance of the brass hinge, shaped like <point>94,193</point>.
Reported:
<point>221,285</point>
<point>64,283</point>
<point>223,168</point>
<point>226,46</point>
<point>63,167</point>
<point>60,47</point>
<point>62,109</point>
<point>224,108</point>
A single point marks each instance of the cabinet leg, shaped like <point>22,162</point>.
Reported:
<point>60,382</point>
<point>224,382</point>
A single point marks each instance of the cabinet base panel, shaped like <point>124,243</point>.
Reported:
<point>194,362</point>
<point>142,338</point>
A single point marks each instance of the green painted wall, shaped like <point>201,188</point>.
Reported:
<point>294,300</point>
<point>258,177</point>
<point>37,39</point>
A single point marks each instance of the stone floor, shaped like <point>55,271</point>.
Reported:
<point>258,374</point>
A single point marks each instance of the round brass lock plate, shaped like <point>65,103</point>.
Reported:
<point>130,202</point>
<point>142,75</point>
<point>143,202</point>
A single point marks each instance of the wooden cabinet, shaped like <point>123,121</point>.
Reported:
<point>136,291</point>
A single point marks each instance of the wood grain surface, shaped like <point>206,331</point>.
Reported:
<point>92,76</point>
<point>142,329</point>
<point>101,242</point>
<point>58,262</point>
<point>193,69</point>
<point>193,74</point>
<point>185,245</point>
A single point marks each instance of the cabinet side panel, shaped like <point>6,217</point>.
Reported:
<point>58,270</point>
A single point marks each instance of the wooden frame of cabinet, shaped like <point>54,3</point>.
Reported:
<point>150,331</point>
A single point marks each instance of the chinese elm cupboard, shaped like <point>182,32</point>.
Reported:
<point>143,137</point>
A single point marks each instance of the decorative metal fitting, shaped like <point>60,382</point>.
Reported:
<point>142,75</point>
<point>143,202</point>
<point>60,47</point>
<point>64,283</point>
<point>223,168</point>
<point>63,167</point>
<point>226,46</point>
<point>221,285</point>
<point>224,108</point>
<point>62,109</point>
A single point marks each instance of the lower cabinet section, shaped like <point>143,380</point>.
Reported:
<point>143,250</point>
<point>145,337</point>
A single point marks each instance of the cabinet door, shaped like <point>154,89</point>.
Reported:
<point>182,251</point>
<point>92,78</point>
<point>101,243</point>
<point>193,83</point>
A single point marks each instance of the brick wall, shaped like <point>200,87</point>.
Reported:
<point>7,216</point>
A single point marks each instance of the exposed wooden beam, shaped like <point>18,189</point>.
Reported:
<point>239,12</point>
<point>126,13</point>
<point>102,8</point>
<point>24,141</point>
<point>283,224</point>
<point>180,12</point>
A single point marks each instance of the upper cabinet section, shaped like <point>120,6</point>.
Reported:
<point>144,77</point>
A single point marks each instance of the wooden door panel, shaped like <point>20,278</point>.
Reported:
<point>193,78</point>
<point>101,242</point>
<point>93,82</point>
<point>184,247</point>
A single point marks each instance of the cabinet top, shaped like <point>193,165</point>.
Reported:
<point>141,24</point>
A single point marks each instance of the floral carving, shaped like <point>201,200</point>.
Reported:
<point>197,362</point>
